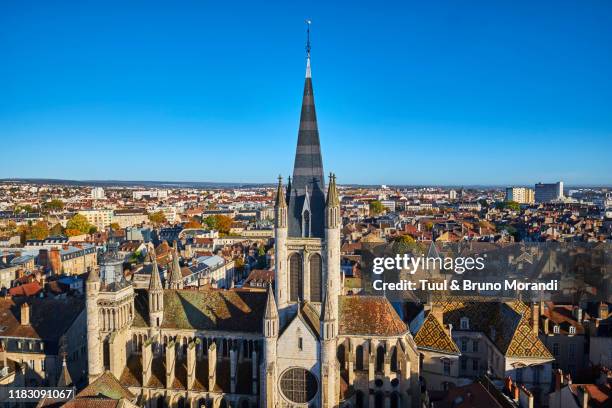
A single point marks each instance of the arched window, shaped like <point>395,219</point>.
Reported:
<point>380,358</point>
<point>359,357</point>
<point>316,270</point>
<point>306,223</point>
<point>556,329</point>
<point>379,400</point>
<point>572,330</point>
<point>394,360</point>
<point>341,355</point>
<point>395,400</point>
<point>359,399</point>
<point>296,277</point>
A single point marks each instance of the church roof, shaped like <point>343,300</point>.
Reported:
<point>105,386</point>
<point>369,315</point>
<point>307,169</point>
<point>432,336</point>
<point>206,309</point>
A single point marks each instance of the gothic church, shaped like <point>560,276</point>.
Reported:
<point>304,343</point>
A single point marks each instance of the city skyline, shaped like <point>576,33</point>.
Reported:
<point>210,100</point>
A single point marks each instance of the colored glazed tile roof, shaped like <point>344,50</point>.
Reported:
<point>505,323</point>
<point>207,309</point>
<point>432,336</point>
<point>369,315</point>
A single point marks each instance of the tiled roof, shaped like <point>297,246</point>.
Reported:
<point>49,317</point>
<point>27,289</point>
<point>432,336</point>
<point>512,332</point>
<point>207,309</point>
<point>369,315</point>
<point>106,386</point>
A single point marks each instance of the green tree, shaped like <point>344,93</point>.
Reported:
<point>157,217</point>
<point>406,243</point>
<point>78,223</point>
<point>40,230</point>
<point>376,207</point>
<point>57,229</point>
<point>219,222</point>
<point>54,205</point>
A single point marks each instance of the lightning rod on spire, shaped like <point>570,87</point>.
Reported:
<point>308,23</point>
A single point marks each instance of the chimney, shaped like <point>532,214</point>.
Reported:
<point>437,311</point>
<point>578,314</point>
<point>603,310</point>
<point>535,317</point>
<point>558,379</point>
<point>545,325</point>
<point>25,314</point>
<point>583,397</point>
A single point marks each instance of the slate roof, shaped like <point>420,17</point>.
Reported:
<point>432,336</point>
<point>369,315</point>
<point>513,334</point>
<point>307,171</point>
<point>206,309</point>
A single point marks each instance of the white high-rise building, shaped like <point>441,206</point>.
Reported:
<point>97,193</point>
<point>521,195</point>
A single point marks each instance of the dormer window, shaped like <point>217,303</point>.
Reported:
<point>556,329</point>
<point>464,323</point>
<point>572,330</point>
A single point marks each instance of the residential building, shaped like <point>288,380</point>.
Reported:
<point>547,192</point>
<point>521,195</point>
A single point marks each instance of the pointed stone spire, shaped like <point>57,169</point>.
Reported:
<point>64,379</point>
<point>94,275</point>
<point>308,166</point>
<point>155,281</point>
<point>332,206</point>
<point>333,199</point>
<point>327,311</point>
<point>271,309</point>
<point>175,280</point>
<point>280,195</point>
<point>288,192</point>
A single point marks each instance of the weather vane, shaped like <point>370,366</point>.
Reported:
<point>308,23</point>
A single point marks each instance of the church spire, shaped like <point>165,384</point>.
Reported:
<point>155,281</point>
<point>176,277</point>
<point>308,164</point>
<point>280,195</point>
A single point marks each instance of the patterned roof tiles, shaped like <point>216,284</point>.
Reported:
<point>432,336</point>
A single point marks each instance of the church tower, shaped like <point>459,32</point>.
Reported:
<point>307,276</point>
<point>156,295</point>
<point>175,280</point>
<point>270,330</point>
<point>94,345</point>
<point>110,312</point>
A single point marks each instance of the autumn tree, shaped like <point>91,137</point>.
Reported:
<point>158,217</point>
<point>79,224</point>
<point>57,229</point>
<point>376,207</point>
<point>407,244</point>
<point>193,223</point>
<point>115,226</point>
<point>54,205</point>
<point>219,222</point>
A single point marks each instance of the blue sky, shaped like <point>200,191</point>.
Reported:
<point>407,92</point>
